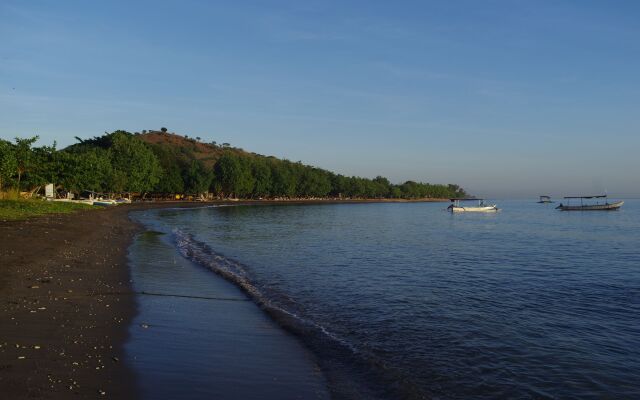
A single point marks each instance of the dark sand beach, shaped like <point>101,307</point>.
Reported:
<point>66,304</point>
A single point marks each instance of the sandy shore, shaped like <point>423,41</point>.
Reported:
<point>66,304</point>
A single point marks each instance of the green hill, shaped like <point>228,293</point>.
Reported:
<point>167,164</point>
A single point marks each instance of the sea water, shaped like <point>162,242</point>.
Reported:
<point>406,300</point>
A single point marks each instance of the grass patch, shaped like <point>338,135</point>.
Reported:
<point>10,194</point>
<point>22,209</point>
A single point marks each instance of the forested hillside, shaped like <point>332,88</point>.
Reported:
<point>165,163</point>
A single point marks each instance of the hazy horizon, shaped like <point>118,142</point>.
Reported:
<point>506,99</point>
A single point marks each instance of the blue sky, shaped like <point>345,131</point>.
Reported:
<point>506,98</point>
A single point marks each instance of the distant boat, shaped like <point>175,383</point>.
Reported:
<point>105,203</point>
<point>545,200</point>
<point>81,201</point>
<point>481,207</point>
<point>598,206</point>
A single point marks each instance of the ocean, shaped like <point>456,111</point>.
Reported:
<point>400,300</point>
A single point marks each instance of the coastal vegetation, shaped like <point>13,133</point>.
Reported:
<point>158,162</point>
<point>20,209</point>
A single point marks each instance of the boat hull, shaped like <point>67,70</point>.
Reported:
<point>456,209</point>
<point>595,207</point>
<point>104,203</point>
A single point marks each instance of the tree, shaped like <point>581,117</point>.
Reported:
<point>173,164</point>
<point>197,178</point>
<point>24,156</point>
<point>135,167</point>
<point>45,166</point>
<point>171,180</point>
<point>227,171</point>
<point>262,175</point>
<point>87,170</point>
<point>247,180</point>
<point>8,162</point>
<point>381,187</point>
<point>283,178</point>
<point>233,175</point>
<point>163,129</point>
<point>313,182</point>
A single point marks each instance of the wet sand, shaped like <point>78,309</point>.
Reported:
<point>198,336</point>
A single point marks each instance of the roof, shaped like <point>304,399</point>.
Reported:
<point>586,197</point>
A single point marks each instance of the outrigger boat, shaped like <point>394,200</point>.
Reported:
<point>606,206</point>
<point>545,200</point>
<point>481,207</point>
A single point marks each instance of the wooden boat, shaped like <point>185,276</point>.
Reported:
<point>598,206</point>
<point>545,200</point>
<point>456,206</point>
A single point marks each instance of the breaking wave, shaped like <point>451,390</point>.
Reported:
<point>351,373</point>
<point>235,272</point>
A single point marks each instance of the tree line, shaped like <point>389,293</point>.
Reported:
<point>120,162</point>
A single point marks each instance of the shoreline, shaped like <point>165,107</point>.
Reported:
<point>67,303</point>
<point>68,299</point>
<point>294,201</point>
<point>195,329</point>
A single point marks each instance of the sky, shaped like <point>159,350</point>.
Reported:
<point>506,98</point>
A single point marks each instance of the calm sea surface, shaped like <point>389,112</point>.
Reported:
<point>409,301</point>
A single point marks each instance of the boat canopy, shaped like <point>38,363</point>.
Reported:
<point>465,199</point>
<point>545,197</point>
<point>602,196</point>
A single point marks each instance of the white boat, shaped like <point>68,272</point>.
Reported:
<point>545,200</point>
<point>103,203</point>
<point>456,206</point>
<point>80,201</point>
